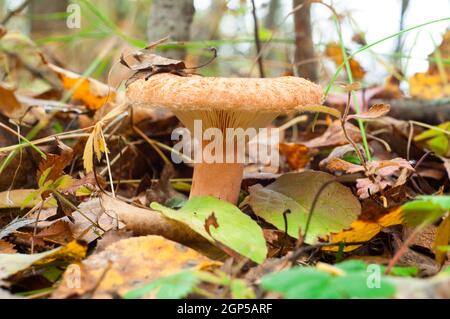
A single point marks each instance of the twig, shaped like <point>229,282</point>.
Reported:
<point>257,41</point>
<point>402,249</point>
<point>17,10</point>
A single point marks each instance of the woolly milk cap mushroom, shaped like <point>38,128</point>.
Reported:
<point>223,103</point>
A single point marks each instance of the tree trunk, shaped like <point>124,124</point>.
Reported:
<point>272,15</point>
<point>41,7</point>
<point>171,18</point>
<point>305,63</point>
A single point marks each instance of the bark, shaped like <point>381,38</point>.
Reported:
<point>272,15</point>
<point>42,7</point>
<point>431,112</point>
<point>172,18</point>
<point>306,65</point>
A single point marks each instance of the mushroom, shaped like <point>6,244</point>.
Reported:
<point>223,103</point>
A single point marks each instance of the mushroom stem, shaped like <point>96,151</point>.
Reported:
<point>221,180</point>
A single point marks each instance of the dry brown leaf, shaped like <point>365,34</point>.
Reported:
<point>335,136</point>
<point>375,111</point>
<point>128,264</point>
<point>59,232</point>
<point>9,104</point>
<point>381,174</point>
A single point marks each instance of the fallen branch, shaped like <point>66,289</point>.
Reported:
<point>432,112</point>
<point>145,221</point>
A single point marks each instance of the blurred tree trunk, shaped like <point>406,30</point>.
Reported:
<point>171,18</point>
<point>42,7</point>
<point>399,46</point>
<point>305,63</point>
<point>272,15</point>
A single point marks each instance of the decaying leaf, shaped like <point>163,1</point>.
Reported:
<point>128,264</point>
<point>334,136</point>
<point>335,210</point>
<point>9,104</point>
<point>381,174</point>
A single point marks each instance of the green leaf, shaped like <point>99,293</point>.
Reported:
<point>175,286</point>
<point>437,141</point>
<point>355,286</point>
<point>335,210</point>
<point>44,176</point>
<point>298,283</point>
<point>425,209</point>
<point>236,230</point>
<point>311,283</point>
<point>402,271</point>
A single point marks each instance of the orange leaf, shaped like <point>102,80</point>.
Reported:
<point>297,155</point>
<point>92,93</point>
<point>365,230</point>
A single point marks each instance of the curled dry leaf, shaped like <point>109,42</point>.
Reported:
<point>375,111</point>
<point>382,174</point>
<point>128,264</point>
<point>335,136</point>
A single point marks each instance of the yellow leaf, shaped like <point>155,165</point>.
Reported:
<point>130,263</point>
<point>94,144</point>
<point>365,230</point>
<point>442,239</point>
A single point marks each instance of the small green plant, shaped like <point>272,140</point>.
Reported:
<point>349,279</point>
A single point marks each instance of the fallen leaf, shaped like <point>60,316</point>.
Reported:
<point>375,111</point>
<point>92,93</point>
<point>9,104</point>
<point>11,264</point>
<point>333,51</point>
<point>127,264</point>
<point>442,239</point>
<point>363,230</point>
<point>335,210</point>
<point>59,232</point>
<point>235,229</point>
<point>7,247</point>
<point>334,136</point>
<point>15,199</point>
<point>297,155</point>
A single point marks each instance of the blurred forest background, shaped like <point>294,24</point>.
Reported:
<point>292,39</point>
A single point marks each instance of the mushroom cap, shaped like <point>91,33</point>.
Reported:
<point>189,93</point>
